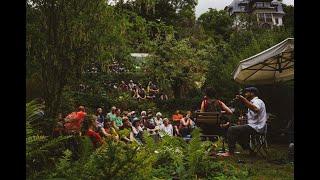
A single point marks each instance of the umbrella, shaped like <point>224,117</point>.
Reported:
<point>275,64</point>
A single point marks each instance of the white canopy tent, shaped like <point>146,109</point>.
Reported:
<point>275,64</point>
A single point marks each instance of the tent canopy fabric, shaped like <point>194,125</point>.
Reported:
<point>275,64</point>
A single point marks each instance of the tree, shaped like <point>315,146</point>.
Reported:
<point>216,23</point>
<point>175,67</point>
<point>177,13</point>
<point>288,18</point>
<point>61,40</point>
<point>221,65</point>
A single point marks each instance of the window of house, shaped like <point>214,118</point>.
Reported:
<point>261,17</point>
<point>277,20</point>
<point>268,17</point>
<point>266,4</point>
<point>259,4</point>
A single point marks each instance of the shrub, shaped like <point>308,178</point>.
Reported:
<point>41,150</point>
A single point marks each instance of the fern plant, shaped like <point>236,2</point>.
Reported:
<point>40,149</point>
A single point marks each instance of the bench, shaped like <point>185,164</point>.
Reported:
<point>209,124</point>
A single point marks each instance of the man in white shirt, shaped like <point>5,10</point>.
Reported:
<point>166,128</point>
<point>158,120</point>
<point>256,116</point>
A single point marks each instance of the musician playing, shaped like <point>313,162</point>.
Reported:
<point>256,118</point>
<point>211,104</point>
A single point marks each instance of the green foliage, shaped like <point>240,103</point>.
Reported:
<point>216,23</point>
<point>171,157</point>
<point>288,18</point>
<point>61,42</point>
<point>65,37</point>
<point>175,67</point>
<point>40,150</point>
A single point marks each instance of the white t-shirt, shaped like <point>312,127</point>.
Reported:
<point>158,122</point>
<point>257,120</point>
<point>166,129</point>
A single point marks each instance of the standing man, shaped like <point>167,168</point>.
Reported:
<point>256,116</point>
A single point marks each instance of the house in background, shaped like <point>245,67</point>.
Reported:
<point>269,13</point>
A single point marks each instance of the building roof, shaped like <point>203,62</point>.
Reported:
<point>235,6</point>
<point>279,6</point>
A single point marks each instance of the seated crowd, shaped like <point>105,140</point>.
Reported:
<point>141,93</point>
<point>127,127</point>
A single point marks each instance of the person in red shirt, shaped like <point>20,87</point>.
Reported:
<point>90,126</point>
<point>75,119</point>
<point>176,121</point>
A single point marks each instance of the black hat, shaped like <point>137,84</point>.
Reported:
<point>252,89</point>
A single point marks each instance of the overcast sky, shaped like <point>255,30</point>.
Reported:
<point>204,5</point>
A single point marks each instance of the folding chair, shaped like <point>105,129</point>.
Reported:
<point>258,143</point>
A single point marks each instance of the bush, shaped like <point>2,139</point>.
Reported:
<point>41,150</point>
<point>169,158</point>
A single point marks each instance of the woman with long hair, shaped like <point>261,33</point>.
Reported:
<point>89,129</point>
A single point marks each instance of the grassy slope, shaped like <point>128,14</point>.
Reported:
<point>259,168</point>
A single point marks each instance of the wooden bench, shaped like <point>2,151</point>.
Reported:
<point>209,123</point>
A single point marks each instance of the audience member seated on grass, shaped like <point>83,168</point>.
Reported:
<point>89,127</point>
<point>147,125</point>
<point>149,87</point>
<point>125,114</point>
<point>137,130</point>
<point>125,132</point>
<point>74,120</point>
<point>165,128</point>
<point>186,125</point>
<point>117,120</point>
<point>131,85</point>
<point>112,113</point>
<point>143,113</point>
<point>109,132</point>
<point>158,119</point>
<point>144,122</point>
<point>123,86</point>
<point>132,115</point>
<point>256,116</point>
<point>176,121</point>
<point>141,94</point>
<point>211,104</point>
<point>190,116</point>
<point>150,117</point>
<point>135,92</point>
<point>152,90</point>
<point>100,118</point>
